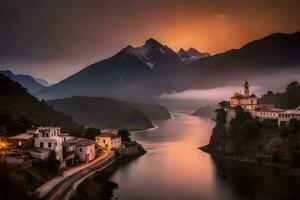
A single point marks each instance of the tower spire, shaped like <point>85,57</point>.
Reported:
<point>246,89</point>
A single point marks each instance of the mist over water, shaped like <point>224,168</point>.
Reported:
<point>275,81</point>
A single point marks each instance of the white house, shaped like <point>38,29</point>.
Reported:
<point>67,136</point>
<point>286,116</point>
<point>49,138</point>
<point>109,141</point>
<point>269,114</point>
<point>69,149</point>
<point>85,150</point>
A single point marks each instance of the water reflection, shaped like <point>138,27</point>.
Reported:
<point>174,168</point>
<point>251,181</point>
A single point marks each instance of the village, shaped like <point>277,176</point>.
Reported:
<point>38,143</point>
<point>250,104</point>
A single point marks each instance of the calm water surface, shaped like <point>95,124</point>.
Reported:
<point>174,168</point>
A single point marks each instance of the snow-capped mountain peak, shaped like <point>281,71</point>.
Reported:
<point>191,54</point>
<point>150,52</point>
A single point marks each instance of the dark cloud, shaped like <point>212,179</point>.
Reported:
<point>55,38</point>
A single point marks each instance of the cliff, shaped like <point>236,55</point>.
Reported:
<point>247,139</point>
<point>206,111</point>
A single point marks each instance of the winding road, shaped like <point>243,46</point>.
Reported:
<point>60,190</point>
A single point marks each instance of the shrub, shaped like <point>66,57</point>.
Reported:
<point>249,130</point>
<point>284,131</point>
<point>276,157</point>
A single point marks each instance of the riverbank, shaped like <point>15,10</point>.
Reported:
<point>284,168</point>
<point>98,186</point>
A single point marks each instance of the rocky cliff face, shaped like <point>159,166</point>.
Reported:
<point>252,140</point>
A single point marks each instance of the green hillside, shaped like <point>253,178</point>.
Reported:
<point>20,110</point>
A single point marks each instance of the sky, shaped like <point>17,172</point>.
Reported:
<point>53,39</point>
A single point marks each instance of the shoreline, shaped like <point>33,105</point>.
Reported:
<point>98,186</point>
<point>101,182</point>
<point>283,168</point>
<point>148,129</point>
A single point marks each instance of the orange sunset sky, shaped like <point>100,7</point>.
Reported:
<point>54,39</point>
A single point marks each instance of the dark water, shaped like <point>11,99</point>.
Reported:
<point>175,169</point>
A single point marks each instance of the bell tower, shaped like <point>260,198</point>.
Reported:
<point>246,89</point>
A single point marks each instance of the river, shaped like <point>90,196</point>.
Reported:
<point>175,169</point>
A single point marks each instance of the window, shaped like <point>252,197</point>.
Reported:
<point>80,149</point>
<point>49,144</point>
<point>103,140</point>
<point>55,143</point>
<point>41,144</point>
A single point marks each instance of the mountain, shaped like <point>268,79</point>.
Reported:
<point>18,108</point>
<point>132,70</point>
<point>255,60</point>
<point>206,111</point>
<point>28,82</point>
<point>141,73</point>
<point>42,82</point>
<point>106,113</point>
<point>191,55</point>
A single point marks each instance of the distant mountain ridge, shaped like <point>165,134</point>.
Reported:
<point>42,82</point>
<point>131,71</point>
<point>141,73</point>
<point>191,55</point>
<point>33,85</point>
<point>105,113</point>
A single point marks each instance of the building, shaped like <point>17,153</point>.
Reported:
<point>268,113</point>
<point>39,153</point>
<point>109,141</point>
<point>67,136</point>
<point>246,101</point>
<point>4,142</point>
<point>260,111</point>
<point>85,150</point>
<point>49,138</point>
<point>285,116</point>
<point>22,141</point>
<point>69,149</point>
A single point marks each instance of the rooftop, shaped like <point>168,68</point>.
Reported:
<point>22,136</point>
<point>112,135</point>
<point>39,150</point>
<point>84,142</point>
<point>270,110</point>
<point>48,128</point>
<point>291,112</point>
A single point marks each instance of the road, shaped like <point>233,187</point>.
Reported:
<point>60,190</point>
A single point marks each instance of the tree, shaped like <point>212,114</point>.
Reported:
<point>292,86</point>
<point>223,104</point>
<point>249,130</point>
<point>53,163</point>
<point>125,135</point>
<point>91,133</point>
<point>284,131</point>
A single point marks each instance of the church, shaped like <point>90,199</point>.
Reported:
<point>261,111</point>
<point>246,101</point>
